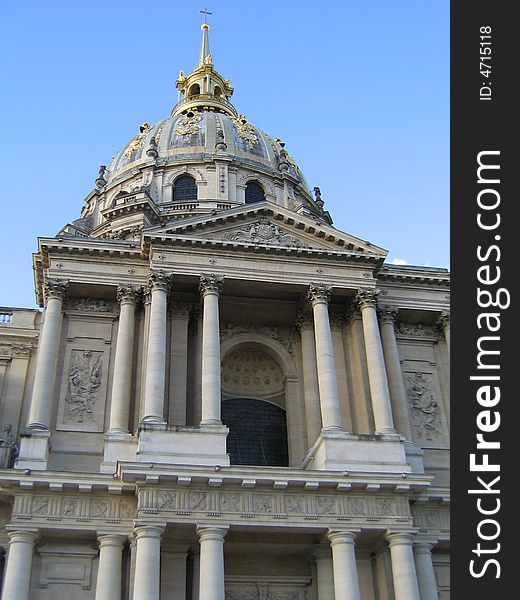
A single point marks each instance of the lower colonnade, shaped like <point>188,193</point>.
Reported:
<point>156,572</point>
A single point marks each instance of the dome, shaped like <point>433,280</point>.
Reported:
<point>204,158</point>
<point>194,134</point>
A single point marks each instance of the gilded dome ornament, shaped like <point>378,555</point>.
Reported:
<point>187,125</point>
<point>137,142</point>
<point>245,130</point>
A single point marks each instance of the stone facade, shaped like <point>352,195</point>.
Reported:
<point>223,398</point>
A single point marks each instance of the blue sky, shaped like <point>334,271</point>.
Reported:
<point>358,90</point>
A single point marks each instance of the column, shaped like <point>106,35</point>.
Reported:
<point>122,382</point>
<point>109,575</point>
<point>44,378</point>
<point>325,572</point>
<point>425,571</point>
<point>180,315</point>
<point>147,562</point>
<point>211,583</point>
<point>393,371</point>
<point>211,288</point>
<point>173,574</point>
<point>319,296</point>
<point>346,584</point>
<point>444,322</point>
<point>375,362</point>
<point>17,578</point>
<point>403,566</point>
<point>153,412</point>
<point>195,581</point>
<point>311,394</point>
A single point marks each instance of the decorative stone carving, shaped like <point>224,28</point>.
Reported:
<point>424,409</point>
<point>90,305</point>
<point>158,280</point>
<point>179,309</point>
<point>388,314</point>
<point>415,329</point>
<point>76,509</point>
<point>283,335</point>
<point>266,233</point>
<point>128,294</point>
<point>319,292</point>
<point>245,130</point>
<point>8,449</point>
<point>137,142</point>
<point>55,288</point>
<point>188,124</point>
<point>252,373</point>
<point>83,383</point>
<point>337,320</point>
<point>367,297</point>
<point>304,320</point>
<point>210,283</point>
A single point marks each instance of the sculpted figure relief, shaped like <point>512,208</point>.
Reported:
<point>423,406</point>
<point>8,449</point>
<point>84,381</point>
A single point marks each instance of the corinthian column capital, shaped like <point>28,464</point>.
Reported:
<point>367,297</point>
<point>304,320</point>
<point>210,283</point>
<point>388,314</point>
<point>319,293</point>
<point>55,288</point>
<point>444,319</point>
<point>128,294</point>
<point>158,280</point>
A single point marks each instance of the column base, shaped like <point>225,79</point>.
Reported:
<point>204,445</point>
<point>341,451</point>
<point>34,450</point>
<point>117,447</point>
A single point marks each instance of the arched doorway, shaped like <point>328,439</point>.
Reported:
<point>257,432</point>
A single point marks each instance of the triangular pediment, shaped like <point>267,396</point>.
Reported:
<point>264,225</point>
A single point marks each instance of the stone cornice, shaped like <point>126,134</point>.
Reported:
<point>415,275</point>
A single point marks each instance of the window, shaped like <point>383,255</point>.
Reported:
<point>254,193</point>
<point>194,90</point>
<point>257,432</point>
<point>217,91</point>
<point>184,188</point>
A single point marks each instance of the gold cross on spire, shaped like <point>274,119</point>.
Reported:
<point>205,12</point>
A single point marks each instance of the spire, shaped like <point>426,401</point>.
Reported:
<point>205,54</point>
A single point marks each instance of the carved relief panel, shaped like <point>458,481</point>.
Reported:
<point>425,405</point>
<point>84,375</point>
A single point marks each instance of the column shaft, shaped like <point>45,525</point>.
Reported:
<point>346,583</point>
<point>325,573</point>
<point>310,380</point>
<point>319,295</point>
<point>210,286</point>
<point>109,576</point>
<point>44,377</point>
<point>147,562</point>
<point>122,383</point>
<point>376,364</point>
<point>425,571</point>
<point>17,578</point>
<point>156,356</point>
<point>211,583</point>
<point>403,566</point>
<point>394,373</point>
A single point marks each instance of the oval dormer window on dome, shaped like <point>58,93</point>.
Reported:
<point>254,192</point>
<point>184,188</point>
<point>194,90</point>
